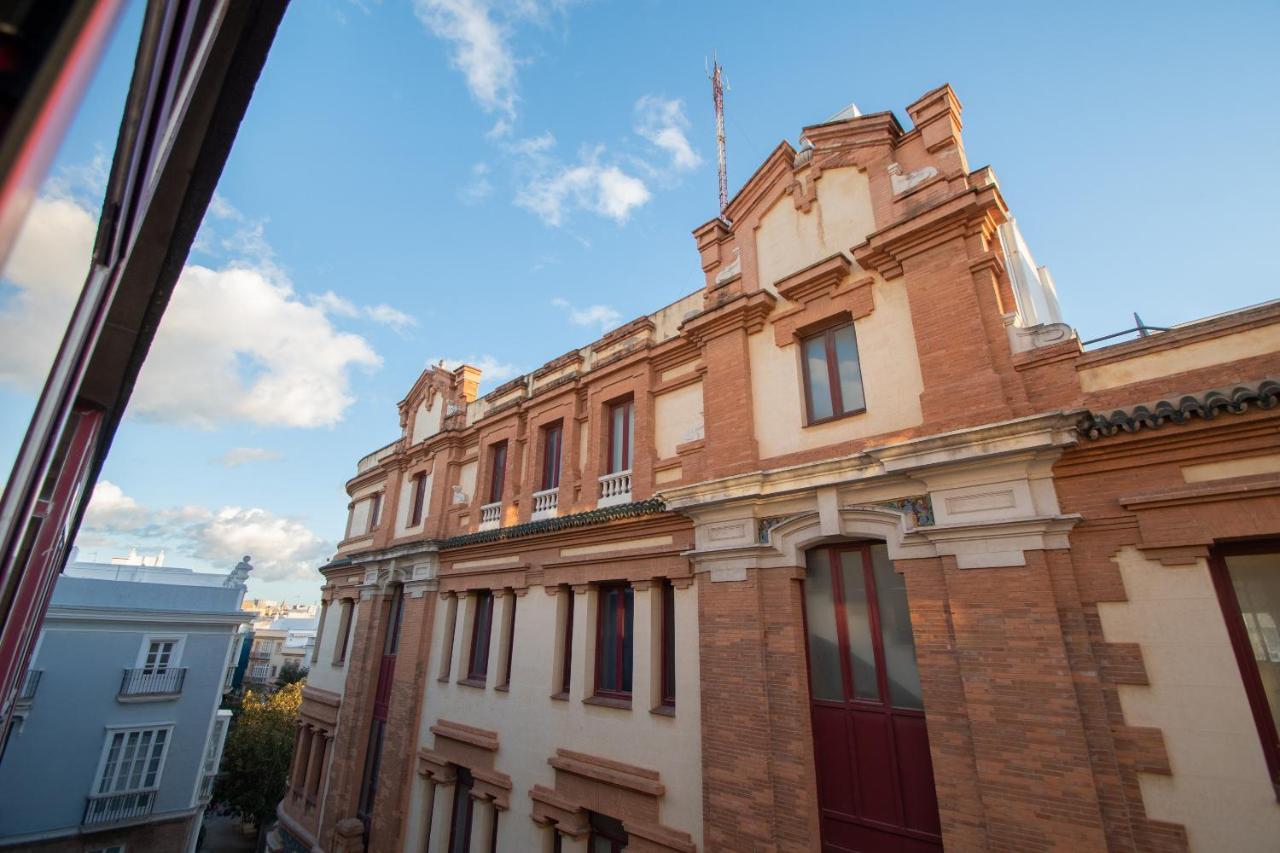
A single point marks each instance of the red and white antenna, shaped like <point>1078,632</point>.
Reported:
<point>717,95</point>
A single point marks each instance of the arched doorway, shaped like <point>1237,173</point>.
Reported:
<point>871,746</point>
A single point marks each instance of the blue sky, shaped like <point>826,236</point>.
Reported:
<point>499,182</point>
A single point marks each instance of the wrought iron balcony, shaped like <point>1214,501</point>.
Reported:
<point>113,808</point>
<point>615,488</point>
<point>143,684</point>
<point>27,690</point>
<point>545,504</point>
<point>491,516</point>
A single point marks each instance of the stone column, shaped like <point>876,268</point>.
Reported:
<point>441,812</point>
<point>582,673</point>
<point>301,755</point>
<point>483,821</point>
<point>419,822</point>
<point>642,636</point>
<point>319,742</point>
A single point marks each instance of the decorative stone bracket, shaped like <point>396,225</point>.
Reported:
<point>818,293</point>
<point>590,783</point>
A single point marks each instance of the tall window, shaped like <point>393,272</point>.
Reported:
<point>607,834</point>
<point>481,628</point>
<point>131,768</point>
<point>497,471</point>
<point>375,510</point>
<point>159,656</point>
<point>622,417</point>
<point>668,644</point>
<point>395,615</point>
<point>566,657</point>
<point>460,819</point>
<point>511,639</point>
<point>613,641</point>
<point>369,782</point>
<point>1247,579</point>
<point>416,506</point>
<point>344,632</point>
<point>551,440</point>
<point>446,647</point>
<point>832,376</point>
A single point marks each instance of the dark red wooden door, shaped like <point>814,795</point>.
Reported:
<point>871,747</point>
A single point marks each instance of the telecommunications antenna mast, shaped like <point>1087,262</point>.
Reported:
<point>716,74</point>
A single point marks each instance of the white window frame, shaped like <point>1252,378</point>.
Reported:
<point>125,729</point>
<point>216,746</point>
<point>175,658</point>
<point>259,676</point>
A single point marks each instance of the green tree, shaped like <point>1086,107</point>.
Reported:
<point>290,672</point>
<point>255,762</point>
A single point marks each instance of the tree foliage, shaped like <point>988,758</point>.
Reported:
<point>255,762</point>
<point>291,672</point>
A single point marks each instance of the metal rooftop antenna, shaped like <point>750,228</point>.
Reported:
<point>717,94</point>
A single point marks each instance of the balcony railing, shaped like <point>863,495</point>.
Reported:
<point>260,654</point>
<point>144,684</point>
<point>615,488</point>
<point>206,786</point>
<point>113,808</point>
<point>491,516</point>
<point>545,504</point>
<point>30,681</point>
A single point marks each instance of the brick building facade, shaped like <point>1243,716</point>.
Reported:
<point>856,548</point>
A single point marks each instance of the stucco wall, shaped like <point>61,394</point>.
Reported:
<point>426,420</point>
<point>1220,789</point>
<point>678,418</point>
<point>789,240</point>
<point>531,726</point>
<point>405,506</point>
<point>891,381</point>
<point>1192,356</point>
<point>467,479</point>
<point>324,675</point>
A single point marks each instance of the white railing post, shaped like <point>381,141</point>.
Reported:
<point>615,488</point>
<point>546,504</point>
<point>491,516</point>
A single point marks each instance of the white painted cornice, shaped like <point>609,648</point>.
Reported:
<point>1029,444</point>
<point>78,613</point>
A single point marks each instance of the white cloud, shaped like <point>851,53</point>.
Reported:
<point>283,548</point>
<point>533,146</point>
<point>604,316</point>
<point>481,49</point>
<point>393,318</point>
<point>220,208</point>
<point>479,187</point>
<point>237,456</point>
<point>48,265</point>
<point>491,369</point>
<point>663,123</point>
<point>111,509</point>
<point>236,343</point>
<point>83,183</point>
<point>331,303</point>
<point>588,185</point>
